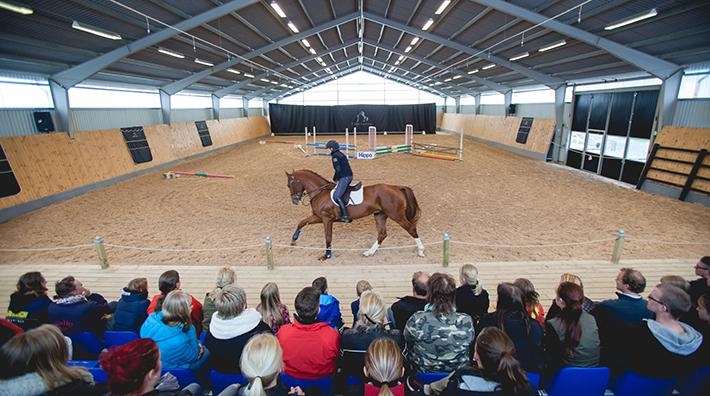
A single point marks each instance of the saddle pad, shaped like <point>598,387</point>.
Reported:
<point>356,196</point>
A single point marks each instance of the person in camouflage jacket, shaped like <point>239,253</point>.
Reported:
<point>438,338</point>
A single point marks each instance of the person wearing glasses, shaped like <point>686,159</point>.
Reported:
<point>615,317</point>
<point>664,347</point>
<point>701,285</point>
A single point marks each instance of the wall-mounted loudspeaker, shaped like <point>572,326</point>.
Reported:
<point>43,121</point>
<point>511,109</point>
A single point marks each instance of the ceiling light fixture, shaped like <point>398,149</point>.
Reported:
<point>492,65</point>
<point>409,48</point>
<point>265,79</point>
<point>520,56</point>
<point>638,17</point>
<point>456,77</point>
<point>553,45</point>
<point>234,71</point>
<point>401,57</point>
<point>312,51</point>
<point>278,9</point>
<point>392,69</point>
<point>428,24</point>
<point>442,7</point>
<point>448,79</point>
<point>473,71</point>
<point>319,59</point>
<point>306,43</point>
<point>247,75</point>
<point>414,40</point>
<point>203,62</point>
<point>170,52</point>
<point>292,27</point>
<point>96,31</point>
<point>18,8</point>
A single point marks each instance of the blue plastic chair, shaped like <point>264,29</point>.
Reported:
<point>428,378</point>
<point>83,363</point>
<point>203,336</point>
<point>696,383</point>
<point>86,345</point>
<point>220,381</point>
<point>184,376</point>
<point>534,379</point>
<point>118,338</point>
<point>631,384</point>
<point>100,376</point>
<point>579,381</point>
<point>323,384</point>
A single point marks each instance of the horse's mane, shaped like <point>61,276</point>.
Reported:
<point>313,173</point>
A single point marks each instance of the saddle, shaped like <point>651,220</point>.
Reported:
<point>350,188</point>
<point>353,194</point>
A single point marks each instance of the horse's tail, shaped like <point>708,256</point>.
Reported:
<point>413,211</point>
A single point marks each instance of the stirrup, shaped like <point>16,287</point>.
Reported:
<point>344,219</point>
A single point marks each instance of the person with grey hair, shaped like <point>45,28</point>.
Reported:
<point>471,297</point>
<point>225,276</point>
<point>664,347</point>
<point>406,306</point>
<point>232,326</point>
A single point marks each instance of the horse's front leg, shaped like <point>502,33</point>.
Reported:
<point>312,219</point>
<point>381,223</point>
<point>328,227</point>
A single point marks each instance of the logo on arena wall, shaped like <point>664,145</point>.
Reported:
<point>365,155</point>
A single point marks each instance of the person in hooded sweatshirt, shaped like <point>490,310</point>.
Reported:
<point>329,305</point>
<point>131,309</point>
<point>664,347</point>
<point>171,328</point>
<point>28,305</point>
<point>231,327</point>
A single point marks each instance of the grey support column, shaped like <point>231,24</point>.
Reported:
<point>668,99</point>
<point>165,106</point>
<point>245,106</point>
<point>265,107</point>
<point>458,104</point>
<point>215,107</point>
<point>559,122</point>
<point>60,97</point>
<point>507,100</point>
<point>478,103</point>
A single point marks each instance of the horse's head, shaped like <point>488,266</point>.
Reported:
<point>295,187</point>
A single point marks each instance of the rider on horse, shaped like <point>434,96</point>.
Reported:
<point>343,176</point>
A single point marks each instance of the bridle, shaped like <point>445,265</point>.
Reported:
<point>305,193</point>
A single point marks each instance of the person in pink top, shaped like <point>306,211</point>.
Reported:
<point>310,348</point>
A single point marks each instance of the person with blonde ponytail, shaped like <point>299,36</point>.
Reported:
<point>384,369</point>
<point>495,370</point>
<point>261,363</point>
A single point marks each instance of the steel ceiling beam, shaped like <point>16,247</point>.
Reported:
<point>656,66</point>
<point>541,78</point>
<point>71,77</point>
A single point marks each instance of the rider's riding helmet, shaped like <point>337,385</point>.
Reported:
<point>332,144</point>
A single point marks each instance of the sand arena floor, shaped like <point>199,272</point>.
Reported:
<point>495,205</point>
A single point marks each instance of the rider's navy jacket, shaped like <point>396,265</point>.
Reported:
<point>341,165</point>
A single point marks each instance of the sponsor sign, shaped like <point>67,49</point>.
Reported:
<point>365,155</point>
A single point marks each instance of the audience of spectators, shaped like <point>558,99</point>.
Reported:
<point>526,333</point>
<point>131,308</point>
<point>572,337</point>
<point>29,303</point>
<point>77,309</point>
<point>35,363</point>
<point>329,305</point>
<point>471,297</point>
<point>406,306</point>
<point>231,327</point>
<point>438,338</point>
<point>172,329</point>
<point>360,287</point>
<point>370,324</point>
<point>273,312</point>
<point>587,303</point>
<point>310,348</point>
<point>615,317</point>
<point>135,369</point>
<point>700,286</point>
<point>532,300</point>
<point>225,276</point>
<point>167,282</point>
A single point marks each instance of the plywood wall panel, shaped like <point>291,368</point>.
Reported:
<point>48,164</point>
<point>502,130</point>
<point>685,138</point>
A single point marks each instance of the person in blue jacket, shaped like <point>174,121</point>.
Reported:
<point>131,309</point>
<point>343,176</point>
<point>329,306</point>
<point>172,329</point>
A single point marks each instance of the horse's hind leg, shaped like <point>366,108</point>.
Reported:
<point>412,230</point>
<point>312,219</point>
<point>381,222</point>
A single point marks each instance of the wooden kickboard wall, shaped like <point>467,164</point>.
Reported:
<point>503,130</point>
<point>51,163</point>
<point>687,138</point>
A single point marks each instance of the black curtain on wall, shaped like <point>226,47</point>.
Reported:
<point>291,119</point>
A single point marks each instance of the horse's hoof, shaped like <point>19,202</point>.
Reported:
<point>421,254</point>
<point>293,243</point>
<point>368,253</point>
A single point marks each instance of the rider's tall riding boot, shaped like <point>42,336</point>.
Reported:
<point>344,217</point>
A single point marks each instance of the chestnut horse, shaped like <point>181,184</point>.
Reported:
<point>384,200</point>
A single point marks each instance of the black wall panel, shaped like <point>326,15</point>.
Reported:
<point>591,163</point>
<point>620,113</point>
<point>581,110</point>
<point>574,159</point>
<point>644,112</point>
<point>632,172</point>
<point>8,182</point>
<point>600,107</point>
<point>611,168</point>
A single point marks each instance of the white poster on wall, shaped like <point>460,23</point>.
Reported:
<point>614,146</point>
<point>594,143</point>
<point>638,149</point>
<point>576,141</point>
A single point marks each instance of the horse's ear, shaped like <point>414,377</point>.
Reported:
<point>287,174</point>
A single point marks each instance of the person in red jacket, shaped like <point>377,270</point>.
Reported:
<point>169,281</point>
<point>310,348</point>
